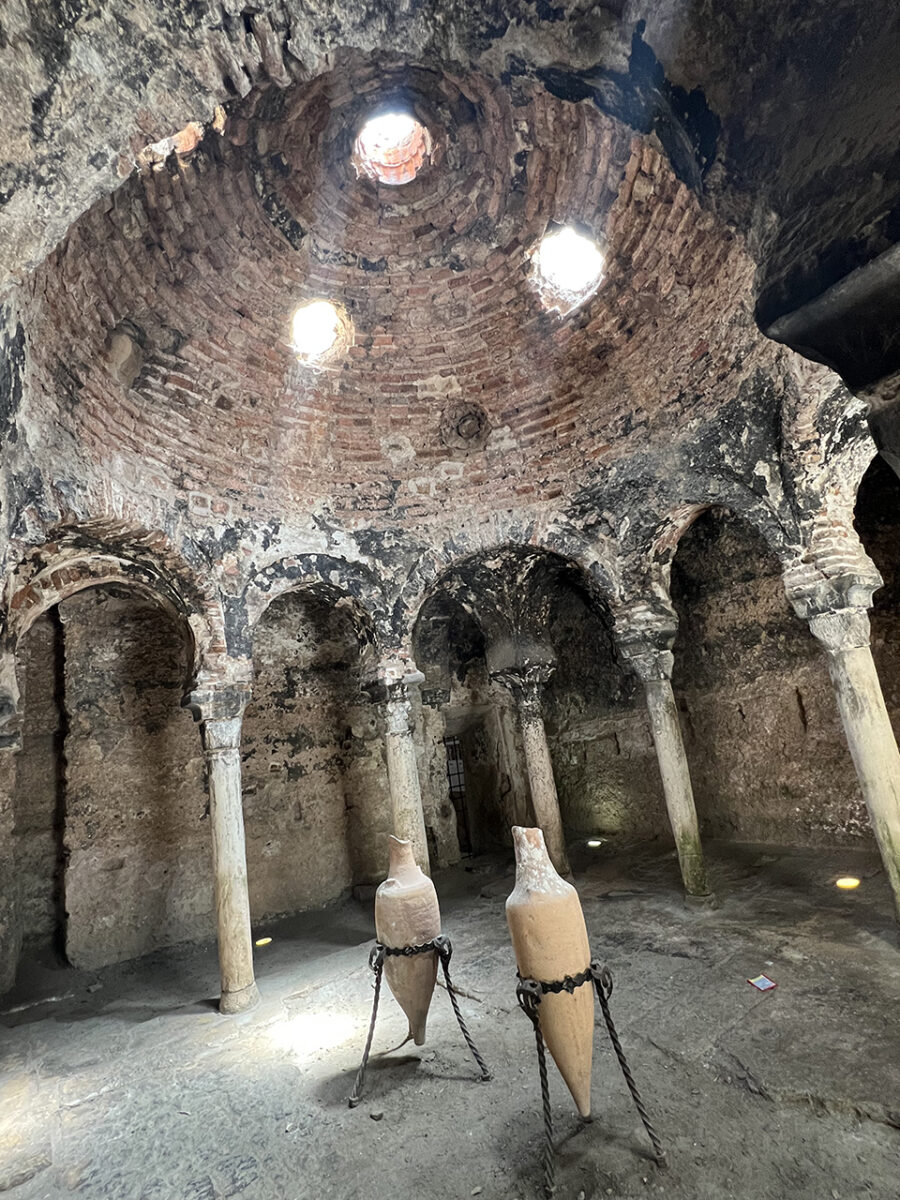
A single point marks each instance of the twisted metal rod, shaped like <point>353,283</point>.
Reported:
<point>529,994</point>
<point>376,963</point>
<point>445,950</point>
<point>529,997</point>
<point>603,983</point>
<point>440,945</point>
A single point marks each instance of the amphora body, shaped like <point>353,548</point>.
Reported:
<point>550,940</point>
<point>407,914</point>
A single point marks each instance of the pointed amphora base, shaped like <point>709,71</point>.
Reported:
<point>407,914</point>
<point>550,940</point>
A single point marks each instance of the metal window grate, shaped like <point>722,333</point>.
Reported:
<point>455,771</point>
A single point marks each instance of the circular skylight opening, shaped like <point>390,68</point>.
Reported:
<point>320,331</point>
<point>569,268</point>
<point>392,147</point>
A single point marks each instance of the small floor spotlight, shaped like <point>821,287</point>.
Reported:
<point>847,883</point>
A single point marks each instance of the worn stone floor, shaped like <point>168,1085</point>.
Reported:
<point>126,1084</point>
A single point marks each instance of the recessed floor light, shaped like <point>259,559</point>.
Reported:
<point>263,941</point>
<point>847,883</point>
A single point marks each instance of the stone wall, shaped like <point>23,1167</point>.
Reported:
<point>316,801</point>
<point>768,758</point>
<point>137,832</point>
<point>603,757</point>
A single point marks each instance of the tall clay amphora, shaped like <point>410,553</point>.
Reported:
<point>407,914</point>
<point>550,940</point>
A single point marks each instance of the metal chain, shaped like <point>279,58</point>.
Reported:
<point>567,984</point>
<point>409,951</point>
<point>528,993</point>
<point>604,985</point>
<point>376,964</point>
<point>445,950</point>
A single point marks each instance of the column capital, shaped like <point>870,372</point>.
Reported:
<point>645,634</point>
<point>840,630</point>
<point>839,593</point>
<point>390,680</point>
<point>212,702</point>
<point>10,722</point>
<point>648,661</point>
<point>525,682</point>
<point>836,608</point>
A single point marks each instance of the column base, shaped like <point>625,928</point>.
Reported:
<point>238,1002</point>
<point>709,901</point>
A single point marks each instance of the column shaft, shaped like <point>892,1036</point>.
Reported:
<point>676,781</point>
<point>646,636</point>
<point>872,747</point>
<point>403,778</point>
<point>544,797</point>
<point>505,734</point>
<point>221,741</point>
<point>10,909</point>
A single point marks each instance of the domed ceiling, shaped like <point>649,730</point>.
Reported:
<point>455,377</point>
<point>150,366</point>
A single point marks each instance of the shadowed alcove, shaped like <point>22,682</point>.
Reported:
<point>315,789</point>
<point>763,736</point>
<point>110,800</point>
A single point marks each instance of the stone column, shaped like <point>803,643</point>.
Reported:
<point>511,772</point>
<point>653,666</point>
<point>391,685</point>
<point>844,633</point>
<point>10,744</point>
<point>526,684</point>
<point>220,711</point>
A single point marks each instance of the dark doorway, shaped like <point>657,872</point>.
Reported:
<point>456,778</point>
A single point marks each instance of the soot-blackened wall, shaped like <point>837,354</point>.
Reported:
<point>603,757</point>
<point>316,801</point>
<point>139,873</point>
<point>768,757</point>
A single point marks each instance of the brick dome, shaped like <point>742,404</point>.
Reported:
<point>199,264</point>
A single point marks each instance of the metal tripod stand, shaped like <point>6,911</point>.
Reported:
<point>441,945</point>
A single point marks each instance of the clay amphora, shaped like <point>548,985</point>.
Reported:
<point>407,914</point>
<point>550,940</point>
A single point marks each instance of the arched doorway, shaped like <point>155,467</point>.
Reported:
<point>473,785</point>
<point>493,617</point>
